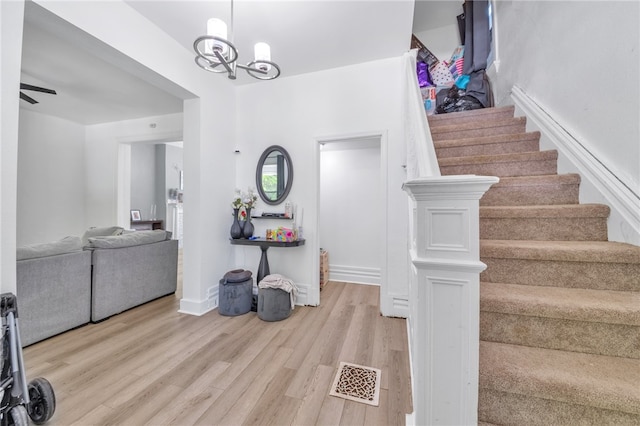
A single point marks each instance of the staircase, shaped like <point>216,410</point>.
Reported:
<point>560,305</point>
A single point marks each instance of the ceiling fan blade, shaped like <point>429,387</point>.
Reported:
<point>27,98</point>
<point>24,86</point>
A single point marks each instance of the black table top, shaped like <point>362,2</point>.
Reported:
<point>266,243</point>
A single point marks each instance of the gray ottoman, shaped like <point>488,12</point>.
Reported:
<point>236,293</point>
<point>274,304</point>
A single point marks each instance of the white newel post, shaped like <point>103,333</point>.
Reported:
<point>444,297</point>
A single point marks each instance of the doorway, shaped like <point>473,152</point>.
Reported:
<point>150,180</point>
<point>352,208</point>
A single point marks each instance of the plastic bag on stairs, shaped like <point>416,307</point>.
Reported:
<point>455,100</point>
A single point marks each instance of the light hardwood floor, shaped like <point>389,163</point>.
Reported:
<point>153,365</point>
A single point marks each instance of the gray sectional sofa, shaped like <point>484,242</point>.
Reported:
<point>69,283</point>
<point>128,271</point>
<point>53,289</point>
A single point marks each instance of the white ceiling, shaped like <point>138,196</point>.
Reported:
<point>89,89</point>
<point>94,82</point>
<point>305,36</point>
<point>430,14</point>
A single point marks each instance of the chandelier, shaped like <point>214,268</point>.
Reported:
<point>216,53</point>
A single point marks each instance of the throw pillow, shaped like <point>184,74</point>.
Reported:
<point>100,232</point>
<point>134,239</point>
<point>65,245</point>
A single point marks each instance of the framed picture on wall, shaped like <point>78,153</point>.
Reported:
<point>135,215</point>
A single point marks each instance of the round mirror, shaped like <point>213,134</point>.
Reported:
<point>274,175</point>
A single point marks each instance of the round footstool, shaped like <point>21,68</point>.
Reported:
<point>274,304</point>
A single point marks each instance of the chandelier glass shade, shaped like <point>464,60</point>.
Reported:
<point>216,53</point>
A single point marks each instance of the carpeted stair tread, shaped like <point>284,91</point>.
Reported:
<point>609,383</point>
<point>544,211</point>
<point>567,251</point>
<point>482,124</point>
<point>561,222</point>
<point>488,145</point>
<point>503,408</point>
<point>478,129</point>
<point>577,304</point>
<point>599,265</point>
<point>482,114</point>
<point>500,158</point>
<point>597,322</point>
<point>503,165</point>
<point>542,180</point>
<point>598,338</point>
<point>497,139</point>
<point>533,190</point>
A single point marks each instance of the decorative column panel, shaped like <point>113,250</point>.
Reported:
<point>444,297</point>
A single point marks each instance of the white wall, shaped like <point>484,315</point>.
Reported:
<point>296,112</point>
<point>173,158</point>
<point>11,22</point>
<point>50,178</point>
<point>101,157</point>
<point>350,211</point>
<point>441,41</point>
<point>579,61</point>
<point>159,197</point>
<point>143,178</point>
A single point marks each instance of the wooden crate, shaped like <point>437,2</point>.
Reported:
<point>324,268</point>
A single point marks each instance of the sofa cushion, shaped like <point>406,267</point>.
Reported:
<point>126,240</point>
<point>100,232</point>
<point>65,245</point>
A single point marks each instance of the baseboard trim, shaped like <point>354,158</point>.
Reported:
<point>201,307</point>
<point>621,198</point>
<point>410,417</point>
<point>394,305</point>
<point>195,307</point>
<point>401,304</point>
<point>303,294</point>
<point>354,274</point>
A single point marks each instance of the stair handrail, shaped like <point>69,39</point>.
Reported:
<point>421,154</point>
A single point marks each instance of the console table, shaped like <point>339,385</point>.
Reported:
<point>141,225</point>
<point>263,267</point>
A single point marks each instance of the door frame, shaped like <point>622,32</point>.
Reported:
<point>382,136</point>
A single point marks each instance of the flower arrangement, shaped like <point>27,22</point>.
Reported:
<point>250,198</point>
<point>243,202</point>
<point>237,200</point>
